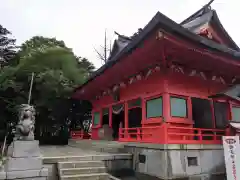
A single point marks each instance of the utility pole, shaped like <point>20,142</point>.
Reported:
<point>30,89</point>
<point>105,47</point>
<point>106,50</point>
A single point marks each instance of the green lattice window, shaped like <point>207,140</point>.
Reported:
<point>96,118</point>
<point>135,103</point>
<point>236,114</point>
<point>154,107</point>
<point>178,107</point>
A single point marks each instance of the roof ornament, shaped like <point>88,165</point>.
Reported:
<point>209,4</point>
<point>122,36</point>
<point>201,11</point>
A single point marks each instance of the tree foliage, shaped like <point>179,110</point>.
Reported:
<point>85,64</point>
<point>7,46</point>
<point>39,44</point>
<point>57,71</point>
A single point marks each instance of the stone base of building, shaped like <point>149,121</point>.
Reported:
<point>183,162</point>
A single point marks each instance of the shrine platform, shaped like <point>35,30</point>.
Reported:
<point>165,161</point>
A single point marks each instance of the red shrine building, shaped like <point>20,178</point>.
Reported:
<point>170,83</point>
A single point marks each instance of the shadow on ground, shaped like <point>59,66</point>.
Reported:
<point>128,174</point>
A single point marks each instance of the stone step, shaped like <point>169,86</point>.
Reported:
<point>90,144</point>
<point>99,157</point>
<point>108,149</point>
<point>83,170</point>
<point>101,148</point>
<point>80,164</point>
<point>95,176</point>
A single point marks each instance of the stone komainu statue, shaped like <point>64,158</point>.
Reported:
<point>25,126</point>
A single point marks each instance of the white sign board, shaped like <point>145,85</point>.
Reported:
<point>231,154</point>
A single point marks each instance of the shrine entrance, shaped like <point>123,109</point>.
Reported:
<point>117,119</point>
<point>134,113</point>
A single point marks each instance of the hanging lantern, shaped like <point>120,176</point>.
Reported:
<point>172,67</point>
<point>157,68</point>
<point>131,80</point>
<point>181,69</point>
<point>122,85</point>
<point>149,72</point>
<point>115,88</point>
<point>193,73</point>
<point>203,75</point>
<point>222,80</point>
<point>214,78</point>
<point>234,79</point>
<point>139,77</point>
<point>217,79</point>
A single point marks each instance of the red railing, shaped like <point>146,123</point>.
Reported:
<point>80,135</point>
<point>168,134</point>
<point>141,134</point>
<point>187,135</point>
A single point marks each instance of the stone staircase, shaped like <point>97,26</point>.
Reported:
<point>90,167</point>
<point>89,170</point>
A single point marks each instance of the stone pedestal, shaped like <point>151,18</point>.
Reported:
<point>24,162</point>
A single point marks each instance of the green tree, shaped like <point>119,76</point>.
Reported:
<point>39,44</point>
<point>85,64</point>
<point>57,72</point>
<point>7,46</point>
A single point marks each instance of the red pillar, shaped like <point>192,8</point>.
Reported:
<point>101,118</point>
<point>189,109</point>
<point>126,118</point>
<point>166,107</point>
<point>110,116</point>
<point>143,111</point>
<point>125,115</point>
<point>166,98</point>
<point>229,110</point>
<point>213,114</point>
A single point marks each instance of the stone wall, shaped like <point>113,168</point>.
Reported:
<point>52,171</point>
<point>178,161</point>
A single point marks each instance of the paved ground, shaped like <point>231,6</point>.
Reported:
<point>80,148</point>
<point>56,151</point>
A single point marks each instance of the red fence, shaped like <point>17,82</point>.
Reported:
<point>194,135</point>
<point>80,135</point>
<point>168,134</point>
<point>141,134</point>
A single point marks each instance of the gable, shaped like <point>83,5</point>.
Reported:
<point>118,45</point>
<point>206,23</point>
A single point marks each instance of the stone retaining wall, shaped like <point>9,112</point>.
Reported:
<point>196,162</point>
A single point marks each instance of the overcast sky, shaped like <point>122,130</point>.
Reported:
<point>81,23</point>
